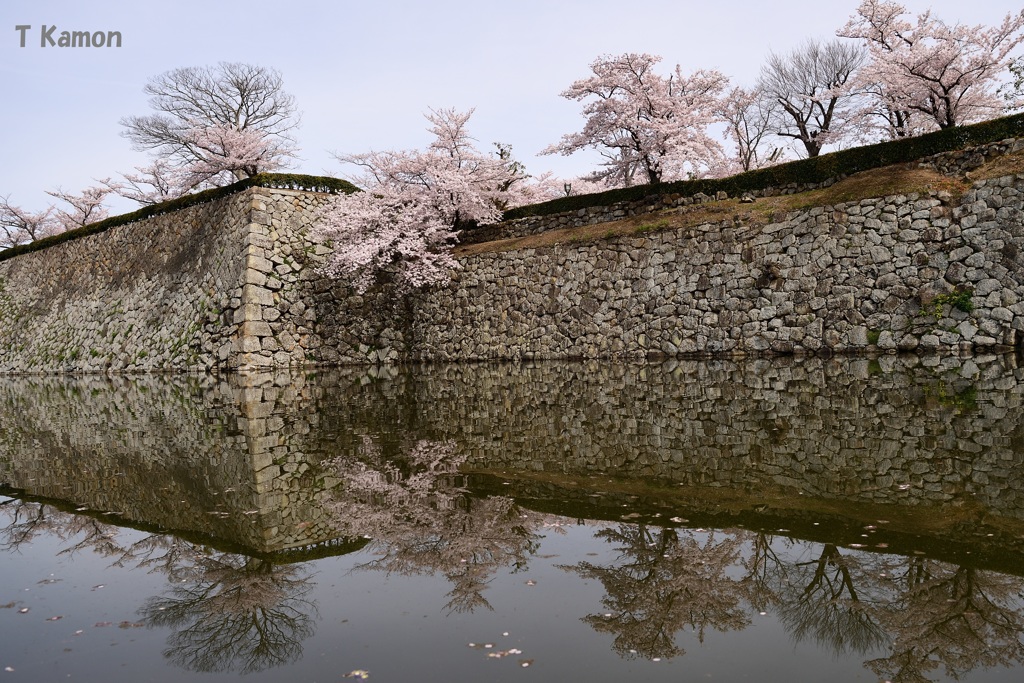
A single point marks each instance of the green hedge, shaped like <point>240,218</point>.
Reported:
<point>804,171</point>
<point>291,181</point>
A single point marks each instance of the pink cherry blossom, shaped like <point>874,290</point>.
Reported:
<point>415,200</point>
<point>649,128</point>
<point>928,74</point>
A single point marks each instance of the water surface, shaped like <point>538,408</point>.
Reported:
<point>848,519</point>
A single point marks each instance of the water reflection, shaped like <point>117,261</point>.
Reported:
<point>234,613</point>
<point>663,582</point>
<point>421,518</point>
<point>226,611</point>
<point>875,509</point>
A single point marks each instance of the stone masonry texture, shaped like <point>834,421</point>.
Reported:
<point>236,284</point>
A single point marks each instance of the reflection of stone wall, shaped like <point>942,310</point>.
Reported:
<point>888,431</point>
<point>244,458</point>
<point>218,458</point>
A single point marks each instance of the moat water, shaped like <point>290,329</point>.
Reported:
<point>839,519</point>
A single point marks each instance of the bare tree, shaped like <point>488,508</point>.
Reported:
<point>246,99</point>
<point>812,88</point>
<point>749,115</point>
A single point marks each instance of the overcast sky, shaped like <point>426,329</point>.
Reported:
<point>363,73</point>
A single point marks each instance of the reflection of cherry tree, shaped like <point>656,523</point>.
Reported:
<point>229,611</point>
<point>423,521</point>
<point>236,613</point>
<point>665,582</point>
<point>958,618</point>
<point>832,599</point>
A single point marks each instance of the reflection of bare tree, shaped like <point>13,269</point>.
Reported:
<point>765,571</point>
<point>958,618</point>
<point>422,520</point>
<point>28,520</point>
<point>663,583</point>
<point>229,611</point>
<point>236,614</point>
<point>822,601</point>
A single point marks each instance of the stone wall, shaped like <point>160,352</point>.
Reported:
<point>193,290</point>
<point>877,274</point>
<point>133,298</point>
<point>236,285</point>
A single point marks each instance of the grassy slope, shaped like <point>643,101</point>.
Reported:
<point>880,182</point>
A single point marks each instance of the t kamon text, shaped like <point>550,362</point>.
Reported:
<point>49,37</point>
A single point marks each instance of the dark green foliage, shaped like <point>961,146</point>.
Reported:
<point>291,181</point>
<point>804,171</point>
<point>960,298</point>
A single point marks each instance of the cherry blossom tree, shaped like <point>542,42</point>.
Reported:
<point>373,235</point>
<point>85,207</point>
<point>415,201</point>
<point>945,73</point>
<point>158,182</point>
<point>221,155</point>
<point>233,115</point>
<point>224,154</point>
<point>18,226</point>
<point>812,87</point>
<point>1013,92</point>
<point>452,176</point>
<point>649,128</point>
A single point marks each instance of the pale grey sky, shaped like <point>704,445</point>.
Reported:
<point>363,73</point>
